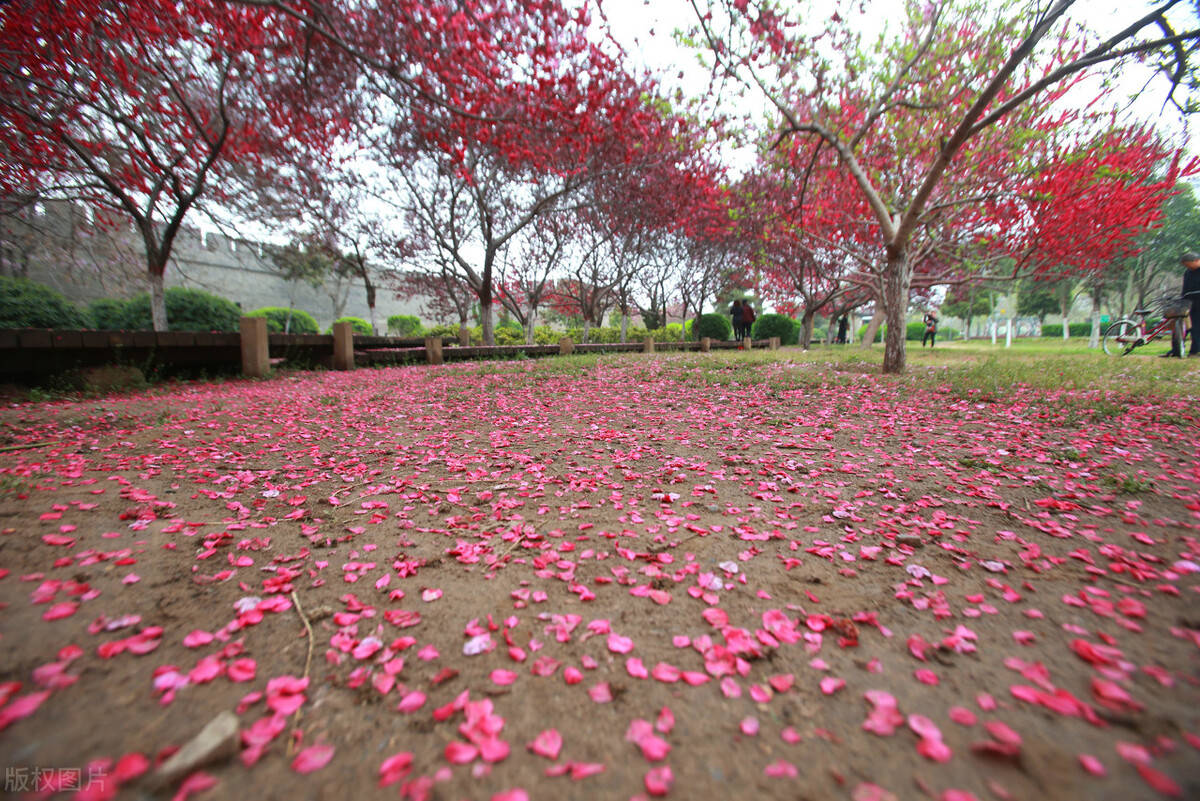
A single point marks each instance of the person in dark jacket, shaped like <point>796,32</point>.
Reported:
<point>1191,292</point>
<point>843,330</point>
<point>735,317</point>
<point>931,322</point>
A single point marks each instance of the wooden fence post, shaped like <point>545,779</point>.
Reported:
<point>256,361</point>
<point>705,344</point>
<point>343,346</point>
<point>773,343</point>
<point>748,343</point>
<point>566,346</point>
<point>433,350</point>
<point>464,336</point>
<point>648,345</point>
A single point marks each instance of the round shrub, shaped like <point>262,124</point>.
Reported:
<point>28,304</point>
<point>187,310</point>
<point>360,326</point>
<point>916,332</point>
<point>108,314</point>
<point>673,331</point>
<point>277,320</point>
<point>776,325</point>
<point>508,335</point>
<point>448,331</point>
<point>715,326</point>
<point>405,325</point>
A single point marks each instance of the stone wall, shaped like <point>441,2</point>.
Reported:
<point>58,246</point>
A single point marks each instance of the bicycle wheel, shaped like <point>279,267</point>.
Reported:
<point>1122,337</point>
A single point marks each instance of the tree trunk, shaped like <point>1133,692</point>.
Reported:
<point>897,280</point>
<point>624,327</point>
<point>370,303</point>
<point>530,324</point>
<point>872,329</point>
<point>806,329</point>
<point>486,320</point>
<point>587,329</point>
<point>158,302</point>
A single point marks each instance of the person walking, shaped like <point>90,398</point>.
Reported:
<point>930,329</point>
<point>1190,293</point>
<point>843,330</point>
<point>735,317</point>
<point>747,319</point>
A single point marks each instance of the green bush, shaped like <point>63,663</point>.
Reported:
<point>447,331</point>
<point>714,326</point>
<point>818,334</point>
<point>108,314</point>
<point>1077,330</point>
<point>508,335</point>
<point>776,325</point>
<point>405,325</point>
<point>916,332</point>
<point>27,304</point>
<point>361,327</point>
<point>187,310</point>
<point>277,320</point>
<point>671,332</point>
<point>862,333</point>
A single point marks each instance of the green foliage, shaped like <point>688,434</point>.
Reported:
<point>508,335</point>
<point>672,332</point>
<point>187,310</point>
<point>405,325</point>
<point>277,320</point>
<point>1077,330</point>
<point>862,333</point>
<point>27,304</point>
<point>360,326</point>
<point>714,326</point>
<point>776,325</point>
<point>447,331</point>
<point>1037,299</point>
<point>108,314</point>
<point>965,302</point>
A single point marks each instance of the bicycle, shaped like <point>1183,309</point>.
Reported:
<point>1126,335</point>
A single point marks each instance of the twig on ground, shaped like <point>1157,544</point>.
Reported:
<point>28,446</point>
<point>291,747</point>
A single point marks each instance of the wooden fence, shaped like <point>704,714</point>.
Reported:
<point>37,353</point>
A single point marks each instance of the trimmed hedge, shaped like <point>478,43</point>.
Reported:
<point>1077,330</point>
<point>776,325</point>
<point>28,304</point>
<point>187,310</point>
<point>405,325</point>
<point>714,326</point>
<point>359,325</point>
<point>108,314</point>
<point>277,320</point>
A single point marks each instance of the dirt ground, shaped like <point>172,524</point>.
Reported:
<point>630,578</point>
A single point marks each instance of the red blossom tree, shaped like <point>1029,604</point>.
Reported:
<point>140,108</point>
<point>935,120</point>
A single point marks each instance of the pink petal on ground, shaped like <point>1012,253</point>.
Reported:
<point>654,748</point>
<point>750,726</point>
<point>666,721</point>
<point>313,758</point>
<point>872,792</point>
<point>242,670</point>
<point>1092,765</point>
<point>659,780</point>
<point>516,794</point>
<point>963,716</point>
<point>460,753</point>
<point>395,768</point>
<point>581,770</point>
<point>503,677</point>
<point>411,702</point>
<point>572,675</point>
<point>636,669</point>
<point>60,610</point>
<point>1001,732</point>
<point>781,769</point>
<point>619,645</point>
<point>601,693</point>
<point>1159,781</point>
<point>198,782</point>
<point>926,677</point>
<point>197,638</point>
<point>547,744</point>
<point>22,708</point>
<point>493,749</point>
<point>790,736</point>
<point>830,685</point>
<point>430,595</point>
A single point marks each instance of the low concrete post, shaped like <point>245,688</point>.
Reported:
<point>256,354</point>
<point>705,344</point>
<point>748,343</point>
<point>433,350</point>
<point>648,345</point>
<point>343,346</point>
<point>774,343</point>
<point>566,346</point>
<point>464,336</point>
